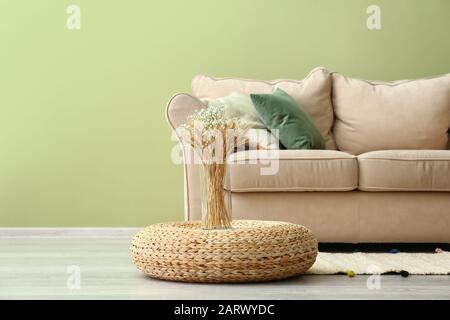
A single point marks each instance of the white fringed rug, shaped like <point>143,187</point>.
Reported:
<point>380,263</point>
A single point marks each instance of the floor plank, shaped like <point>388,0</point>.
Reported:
<point>36,266</point>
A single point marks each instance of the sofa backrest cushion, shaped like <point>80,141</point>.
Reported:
<point>312,93</point>
<point>407,114</point>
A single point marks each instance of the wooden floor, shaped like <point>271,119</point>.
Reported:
<point>35,264</point>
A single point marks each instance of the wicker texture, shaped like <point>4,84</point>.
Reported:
<point>251,251</point>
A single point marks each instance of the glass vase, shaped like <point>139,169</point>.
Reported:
<point>215,198</point>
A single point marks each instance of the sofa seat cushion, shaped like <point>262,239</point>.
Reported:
<point>292,170</point>
<point>405,170</point>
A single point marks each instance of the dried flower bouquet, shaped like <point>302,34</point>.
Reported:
<point>213,137</point>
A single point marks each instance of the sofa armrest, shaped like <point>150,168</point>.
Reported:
<point>180,106</point>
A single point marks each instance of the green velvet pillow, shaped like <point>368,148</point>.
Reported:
<point>296,129</point>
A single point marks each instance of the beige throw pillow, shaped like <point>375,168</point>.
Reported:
<point>240,105</point>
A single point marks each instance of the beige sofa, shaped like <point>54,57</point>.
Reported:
<point>385,176</point>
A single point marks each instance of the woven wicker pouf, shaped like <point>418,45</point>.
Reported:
<point>250,251</point>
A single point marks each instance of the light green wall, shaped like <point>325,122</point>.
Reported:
<point>83,138</point>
